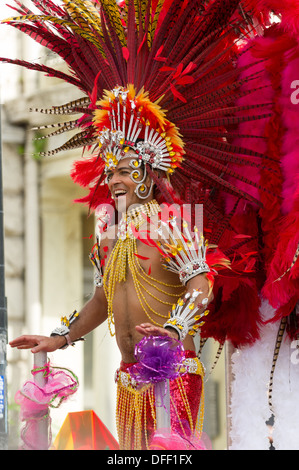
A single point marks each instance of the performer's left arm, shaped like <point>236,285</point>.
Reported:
<point>187,314</point>
<point>184,254</point>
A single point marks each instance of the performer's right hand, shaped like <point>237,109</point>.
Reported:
<point>38,343</point>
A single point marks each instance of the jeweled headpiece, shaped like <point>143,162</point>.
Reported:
<point>126,120</point>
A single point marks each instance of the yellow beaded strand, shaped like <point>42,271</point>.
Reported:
<point>123,257</point>
<point>132,415</point>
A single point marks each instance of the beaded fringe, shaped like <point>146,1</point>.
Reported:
<point>131,416</point>
<point>135,407</point>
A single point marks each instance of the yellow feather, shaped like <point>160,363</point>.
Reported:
<point>112,10</point>
<point>86,33</point>
<point>85,13</point>
<point>156,17</point>
<point>143,4</point>
<point>137,13</point>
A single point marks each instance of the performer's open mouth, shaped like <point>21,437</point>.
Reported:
<point>118,193</point>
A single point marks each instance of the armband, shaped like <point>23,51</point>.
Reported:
<point>95,258</point>
<point>183,316</point>
<point>183,254</point>
<point>63,329</point>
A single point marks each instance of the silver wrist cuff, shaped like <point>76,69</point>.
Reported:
<point>63,329</point>
<point>182,332</point>
<point>183,316</point>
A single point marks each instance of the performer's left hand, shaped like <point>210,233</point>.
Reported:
<point>148,329</point>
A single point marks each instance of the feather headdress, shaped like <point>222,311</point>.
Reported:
<point>160,71</point>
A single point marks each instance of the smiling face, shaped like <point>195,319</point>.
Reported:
<point>122,185</point>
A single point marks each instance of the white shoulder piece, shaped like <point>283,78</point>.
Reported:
<point>95,258</point>
<point>183,254</point>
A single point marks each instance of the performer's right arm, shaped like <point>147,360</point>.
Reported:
<point>93,314</point>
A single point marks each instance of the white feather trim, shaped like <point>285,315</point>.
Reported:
<point>249,408</point>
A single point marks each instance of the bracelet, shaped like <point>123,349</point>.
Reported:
<point>183,318</point>
<point>68,340</point>
<point>63,329</point>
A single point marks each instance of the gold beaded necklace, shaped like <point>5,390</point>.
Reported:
<point>123,257</point>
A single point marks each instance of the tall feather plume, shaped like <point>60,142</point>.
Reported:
<point>60,129</point>
<point>157,37</point>
<point>131,43</point>
<point>113,13</point>
<point>46,70</point>
<point>115,62</point>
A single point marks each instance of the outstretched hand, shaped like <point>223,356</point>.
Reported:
<point>38,343</point>
<point>148,329</point>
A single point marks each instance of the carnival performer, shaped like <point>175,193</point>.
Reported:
<point>165,118</point>
<point>140,305</point>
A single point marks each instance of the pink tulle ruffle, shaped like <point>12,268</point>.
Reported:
<point>35,402</point>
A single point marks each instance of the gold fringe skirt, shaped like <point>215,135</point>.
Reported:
<point>136,414</point>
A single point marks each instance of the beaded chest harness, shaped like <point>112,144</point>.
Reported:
<point>124,257</point>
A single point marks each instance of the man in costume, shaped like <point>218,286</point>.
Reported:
<point>168,91</point>
<point>137,305</point>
